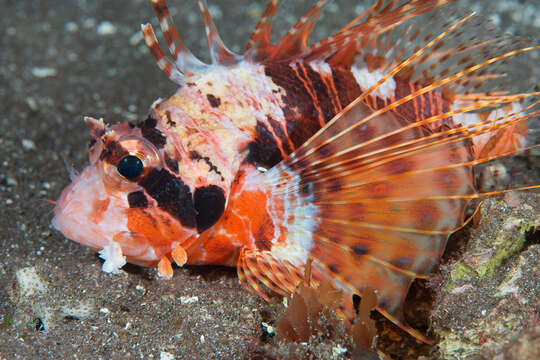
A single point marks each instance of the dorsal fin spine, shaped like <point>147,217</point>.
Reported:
<point>259,41</point>
<point>218,51</point>
<point>185,60</point>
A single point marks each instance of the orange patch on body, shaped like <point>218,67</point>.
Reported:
<point>159,229</point>
<point>98,210</point>
<point>245,222</point>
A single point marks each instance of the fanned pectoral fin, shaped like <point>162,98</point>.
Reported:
<point>263,273</point>
<point>374,194</point>
<point>372,205</point>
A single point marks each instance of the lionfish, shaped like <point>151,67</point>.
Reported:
<point>356,151</point>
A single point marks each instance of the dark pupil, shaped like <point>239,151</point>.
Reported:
<point>130,167</point>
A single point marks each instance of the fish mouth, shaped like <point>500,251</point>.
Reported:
<point>75,214</point>
<point>69,220</point>
<point>86,213</point>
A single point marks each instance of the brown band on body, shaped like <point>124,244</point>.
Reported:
<point>171,194</point>
<point>213,100</point>
<point>346,86</point>
<point>310,100</point>
<point>137,199</point>
<point>296,101</point>
<point>209,204</point>
<point>263,151</point>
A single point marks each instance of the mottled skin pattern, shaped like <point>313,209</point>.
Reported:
<point>216,116</point>
<point>250,122</point>
<point>356,152</point>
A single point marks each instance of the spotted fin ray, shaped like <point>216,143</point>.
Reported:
<point>372,197</point>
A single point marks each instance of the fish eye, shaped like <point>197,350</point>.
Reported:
<point>130,167</point>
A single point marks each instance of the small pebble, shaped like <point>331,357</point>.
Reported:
<point>11,182</point>
<point>166,356</point>
<point>337,351</point>
<point>32,103</point>
<point>269,328</point>
<point>215,11</point>
<point>136,38</point>
<point>188,299</point>
<point>28,144</point>
<point>89,23</point>
<point>43,72</point>
<point>106,28</point>
<point>71,26</point>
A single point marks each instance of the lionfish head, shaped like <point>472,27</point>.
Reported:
<point>127,203</point>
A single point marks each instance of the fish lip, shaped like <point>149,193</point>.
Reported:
<point>63,223</point>
<point>61,204</point>
<point>66,221</point>
<point>62,200</point>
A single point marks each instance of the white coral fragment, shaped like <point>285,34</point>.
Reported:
<point>114,259</point>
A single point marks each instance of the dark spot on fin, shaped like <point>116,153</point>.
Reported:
<point>171,194</point>
<point>383,304</point>
<point>264,235</point>
<point>360,249</point>
<point>150,133</point>
<point>214,101</point>
<point>333,268</point>
<point>137,199</point>
<point>356,302</point>
<point>209,204</point>
<point>403,262</point>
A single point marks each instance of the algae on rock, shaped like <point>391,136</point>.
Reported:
<point>488,299</point>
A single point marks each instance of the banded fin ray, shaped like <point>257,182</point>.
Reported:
<point>377,194</point>
<point>259,42</point>
<point>380,225</point>
<point>294,42</point>
<point>218,51</point>
<point>184,60</point>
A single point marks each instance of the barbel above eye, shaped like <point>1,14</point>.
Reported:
<point>130,167</point>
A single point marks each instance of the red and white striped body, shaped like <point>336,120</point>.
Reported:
<point>356,152</point>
